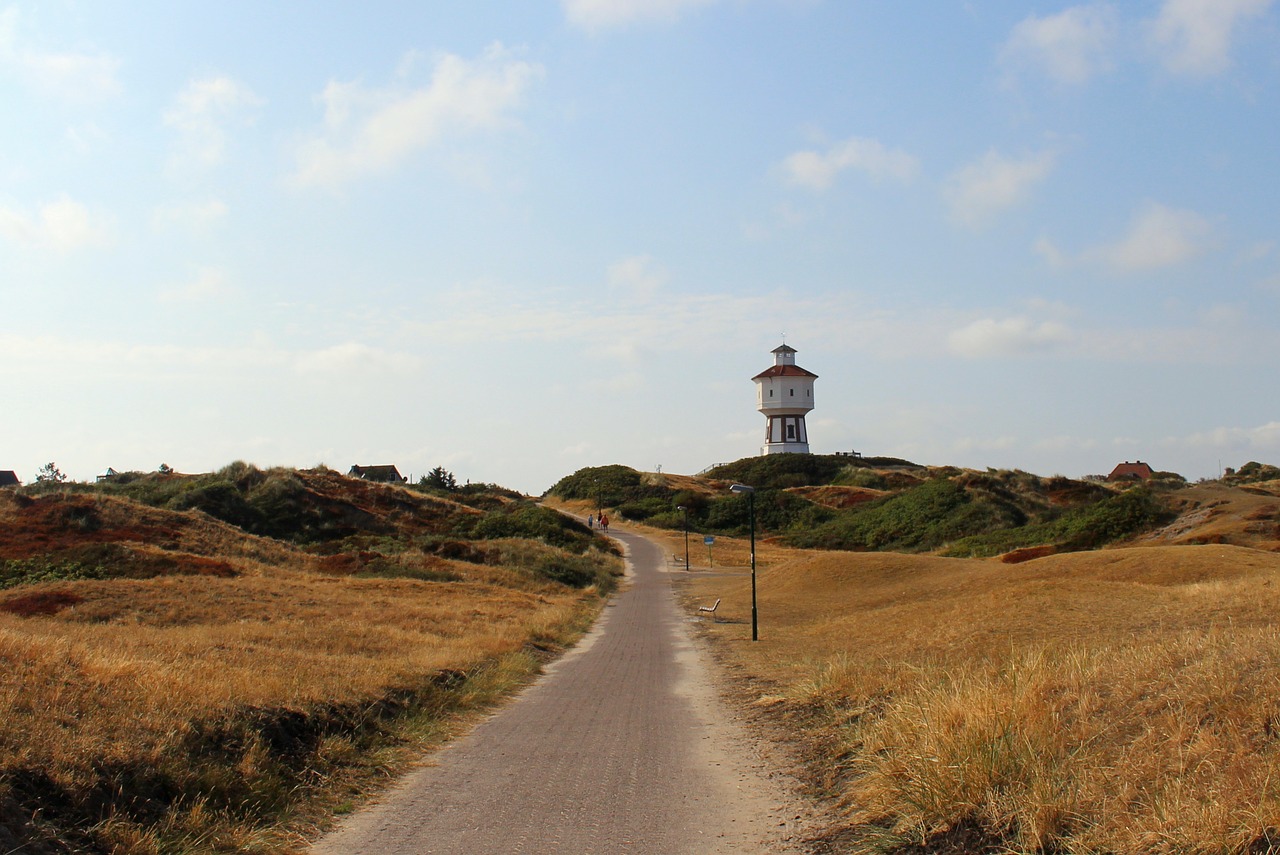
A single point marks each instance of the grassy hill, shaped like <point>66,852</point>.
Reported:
<point>213,663</point>
<point>974,661</point>
<point>1052,698</point>
<point>874,504</point>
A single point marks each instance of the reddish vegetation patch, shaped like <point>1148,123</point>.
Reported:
<point>53,524</point>
<point>341,564</point>
<point>838,497</point>
<point>40,603</point>
<point>1029,553</point>
<point>200,566</point>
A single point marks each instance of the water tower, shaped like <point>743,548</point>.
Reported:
<point>784,393</point>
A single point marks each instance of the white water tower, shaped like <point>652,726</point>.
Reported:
<point>784,393</point>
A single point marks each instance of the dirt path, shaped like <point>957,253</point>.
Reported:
<point>624,746</point>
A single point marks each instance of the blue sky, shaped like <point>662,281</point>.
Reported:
<point>519,238</point>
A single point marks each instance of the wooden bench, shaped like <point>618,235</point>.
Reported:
<point>710,610</point>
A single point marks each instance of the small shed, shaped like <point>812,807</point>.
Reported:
<point>1135,471</point>
<point>106,475</point>
<point>9,478</point>
<point>386,474</point>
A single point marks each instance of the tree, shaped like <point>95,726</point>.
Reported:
<point>51,473</point>
<point>441,479</point>
<point>165,469</point>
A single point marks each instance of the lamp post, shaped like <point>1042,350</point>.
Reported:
<point>685,508</point>
<point>751,506</point>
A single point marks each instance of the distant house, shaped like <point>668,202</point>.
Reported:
<point>8,478</point>
<point>1135,471</point>
<point>384,474</point>
<point>106,475</point>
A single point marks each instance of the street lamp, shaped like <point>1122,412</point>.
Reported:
<point>751,506</point>
<point>685,508</point>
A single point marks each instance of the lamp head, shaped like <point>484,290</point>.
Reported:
<point>742,488</point>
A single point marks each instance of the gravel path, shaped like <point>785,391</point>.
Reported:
<point>623,746</point>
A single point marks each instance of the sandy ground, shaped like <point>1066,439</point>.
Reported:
<point>624,745</point>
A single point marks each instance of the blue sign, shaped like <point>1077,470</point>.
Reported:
<point>708,540</point>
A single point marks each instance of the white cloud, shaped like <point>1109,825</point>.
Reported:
<point>84,138</point>
<point>818,170</point>
<point>1261,438</point>
<point>371,131</point>
<point>131,358</point>
<point>639,276</point>
<point>1194,36</point>
<point>1049,251</point>
<point>354,358</point>
<point>63,225</point>
<point>1006,337</point>
<point>1259,251</point>
<point>595,15</point>
<point>1071,46</point>
<point>966,444</point>
<point>978,192</point>
<point>200,114</point>
<point>197,217</point>
<point>71,76</point>
<point>209,285</point>
<point>1158,236</point>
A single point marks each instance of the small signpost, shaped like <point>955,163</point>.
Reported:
<point>708,540</point>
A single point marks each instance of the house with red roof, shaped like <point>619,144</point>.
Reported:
<point>1135,471</point>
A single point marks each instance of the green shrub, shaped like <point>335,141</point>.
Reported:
<point>776,511</point>
<point>31,571</point>
<point>859,476</point>
<point>795,470</point>
<point>921,518</point>
<point>527,520</point>
<point>1087,527</point>
<point>606,485</point>
<point>556,565</point>
<point>220,499</point>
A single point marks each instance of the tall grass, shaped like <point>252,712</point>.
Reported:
<point>1169,746</point>
<point>152,712</point>
<point>1121,701</point>
<point>148,715</point>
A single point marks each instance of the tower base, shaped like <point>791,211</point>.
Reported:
<point>785,448</point>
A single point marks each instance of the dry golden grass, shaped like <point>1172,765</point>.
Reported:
<point>1123,701</point>
<point>228,713</point>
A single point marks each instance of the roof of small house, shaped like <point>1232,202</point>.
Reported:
<point>9,478</point>
<point>381,472</point>
<point>784,371</point>
<point>1135,471</point>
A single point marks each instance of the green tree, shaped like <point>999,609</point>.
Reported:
<point>441,479</point>
<point>50,473</point>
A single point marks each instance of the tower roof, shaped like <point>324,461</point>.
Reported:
<point>784,371</point>
<point>783,348</point>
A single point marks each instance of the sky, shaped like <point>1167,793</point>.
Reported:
<point>518,238</point>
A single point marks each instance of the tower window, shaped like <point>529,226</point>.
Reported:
<point>791,431</point>
<point>770,393</point>
<point>793,393</point>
